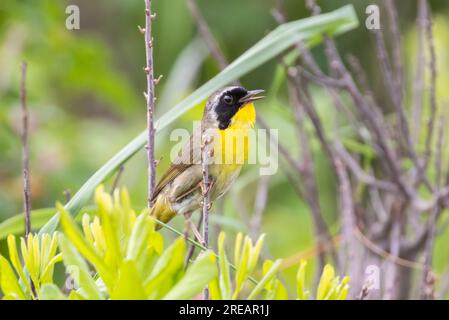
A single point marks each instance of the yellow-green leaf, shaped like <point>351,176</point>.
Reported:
<point>325,284</point>
<point>198,275</point>
<point>129,285</point>
<point>85,248</point>
<point>78,270</point>
<point>225,276</point>
<point>8,280</point>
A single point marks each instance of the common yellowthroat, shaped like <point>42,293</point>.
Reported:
<point>228,116</point>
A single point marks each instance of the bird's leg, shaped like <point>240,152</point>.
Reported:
<point>205,190</point>
<point>196,232</point>
<point>187,218</point>
<point>191,226</point>
<point>209,205</point>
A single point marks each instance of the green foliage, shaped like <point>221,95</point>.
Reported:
<point>128,256</point>
<point>26,277</point>
<point>239,284</point>
<point>117,254</point>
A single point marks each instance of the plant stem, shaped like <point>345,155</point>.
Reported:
<point>206,196</point>
<point>25,152</point>
<point>150,97</point>
<point>26,162</point>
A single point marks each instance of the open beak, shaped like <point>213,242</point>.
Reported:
<point>252,96</point>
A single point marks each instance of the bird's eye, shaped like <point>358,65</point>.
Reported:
<point>228,99</point>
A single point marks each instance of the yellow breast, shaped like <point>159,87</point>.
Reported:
<point>232,147</point>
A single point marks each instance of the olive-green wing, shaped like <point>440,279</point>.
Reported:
<point>189,155</point>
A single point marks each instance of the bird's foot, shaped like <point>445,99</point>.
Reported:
<point>206,190</point>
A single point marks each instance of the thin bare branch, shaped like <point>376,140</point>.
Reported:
<point>432,89</point>
<point>370,117</point>
<point>150,99</point>
<point>205,186</point>
<point>117,178</point>
<point>358,172</point>
<point>418,83</point>
<point>353,254</point>
<point>260,203</point>
<point>392,271</point>
<point>396,45</point>
<point>206,34</point>
<point>25,151</point>
<point>307,171</point>
<point>394,91</point>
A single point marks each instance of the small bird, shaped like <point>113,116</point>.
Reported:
<point>228,116</point>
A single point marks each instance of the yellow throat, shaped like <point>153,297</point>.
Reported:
<point>234,140</point>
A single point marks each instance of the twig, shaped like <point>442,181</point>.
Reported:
<point>282,149</point>
<point>395,93</point>
<point>306,169</point>
<point>359,173</point>
<point>364,292</point>
<point>279,12</point>
<point>67,194</point>
<point>439,150</point>
<point>117,178</point>
<point>396,45</point>
<point>206,34</point>
<point>428,279</point>
<point>150,98</point>
<point>260,203</point>
<point>311,252</point>
<point>369,116</point>
<point>293,77</point>
<point>26,162</point>
<point>385,254</point>
<point>192,247</point>
<point>392,272</point>
<point>205,155</point>
<point>353,256</point>
<point>433,76</point>
<point>25,152</point>
<point>418,83</point>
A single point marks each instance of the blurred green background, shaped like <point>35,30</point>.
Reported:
<point>85,97</point>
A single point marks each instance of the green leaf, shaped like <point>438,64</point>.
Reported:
<point>237,248</point>
<point>8,281</point>
<point>39,217</point>
<point>268,276</point>
<point>308,30</point>
<point>300,281</point>
<point>85,248</point>
<point>225,276</point>
<point>129,285</point>
<point>255,252</point>
<point>16,224</point>
<point>171,261</point>
<point>79,270</point>
<point>50,291</point>
<point>280,291</point>
<point>108,217</point>
<point>242,267</point>
<point>15,260</point>
<point>198,275</point>
<point>325,285</point>
<point>139,236</point>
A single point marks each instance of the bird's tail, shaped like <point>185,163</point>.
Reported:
<point>162,211</point>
